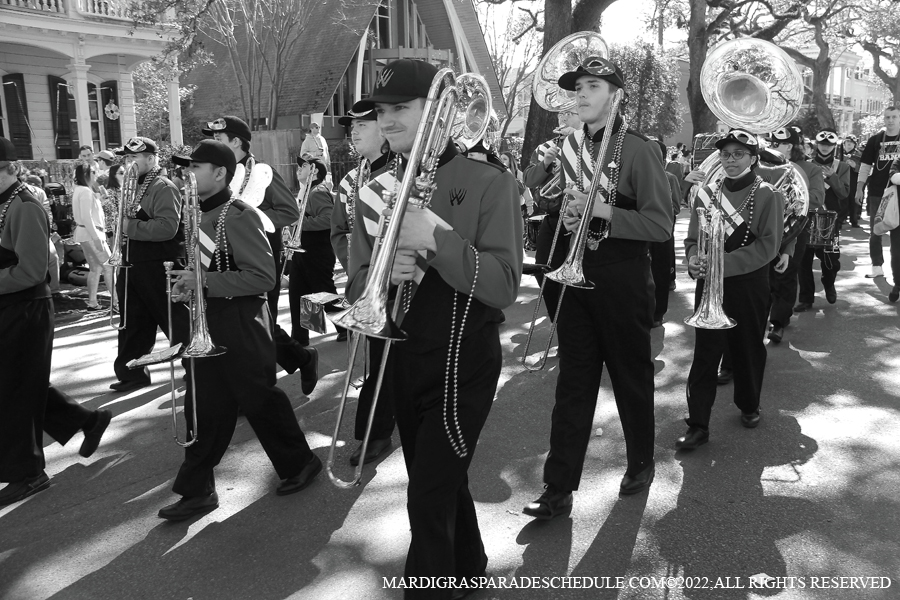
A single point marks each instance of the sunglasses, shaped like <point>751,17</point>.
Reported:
<point>827,137</point>
<point>743,137</point>
<point>736,155</point>
<point>135,145</point>
<point>217,125</point>
<point>356,115</point>
<point>596,65</point>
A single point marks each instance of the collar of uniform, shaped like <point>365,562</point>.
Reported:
<point>449,154</point>
<point>380,162</point>
<point>599,134</point>
<point>216,200</point>
<point>733,185</point>
<point>824,159</point>
<point>247,157</point>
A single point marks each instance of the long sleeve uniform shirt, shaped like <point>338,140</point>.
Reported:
<point>278,203</point>
<point>340,224</point>
<point>24,243</point>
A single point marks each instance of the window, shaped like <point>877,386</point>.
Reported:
<point>94,112</point>
<point>109,98</point>
<point>17,107</point>
<point>62,112</point>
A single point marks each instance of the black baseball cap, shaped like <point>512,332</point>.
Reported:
<point>213,152</point>
<point>358,115</point>
<point>400,81</point>
<point>739,136</point>
<point>137,145</point>
<point>7,150</point>
<point>228,124</point>
<point>598,67</point>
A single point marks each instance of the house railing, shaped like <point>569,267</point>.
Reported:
<point>52,6</point>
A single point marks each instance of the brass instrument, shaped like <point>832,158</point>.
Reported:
<point>753,85</point>
<point>565,56</point>
<point>473,110</point>
<point>200,344</point>
<point>369,314</point>
<point>295,231</point>
<point>127,201</point>
<point>711,252</point>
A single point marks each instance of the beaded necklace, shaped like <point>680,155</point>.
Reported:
<point>251,162</point>
<point>749,201</point>
<point>149,179</point>
<point>221,238</point>
<point>884,140</point>
<point>362,177</point>
<point>7,204</point>
<point>595,237</point>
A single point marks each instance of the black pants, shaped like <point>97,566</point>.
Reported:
<point>876,252</point>
<point>244,376</point>
<point>542,257</point>
<point>783,286</point>
<point>64,417</point>
<point>26,346</point>
<point>272,295</point>
<point>745,299</point>
<point>446,539</point>
<point>830,263</point>
<point>609,325</point>
<point>145,311</point>
<point>383,423</point>
<point>311,271</point>
<point>662,261</point>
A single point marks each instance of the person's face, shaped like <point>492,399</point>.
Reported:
<point>824,148</point>
<point>783,148</point>
<point>86,155</point>
<point>8,173</point>
<point>366,138</point>
<point>208,177</point>
<point>569,118</point>
<point>314,129</point>
<point>594,97</point>
<point>143,160</point>
<point>399,122</point>
<point>735,159</point>
<point>120,176</point>
<point>505,160</point>
<point>233,143</point>
<point>892,121</point>
<point>849,145</point>
<point>303,173</point>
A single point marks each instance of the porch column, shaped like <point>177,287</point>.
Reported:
<point>126,104</point>
<point>175,134</point>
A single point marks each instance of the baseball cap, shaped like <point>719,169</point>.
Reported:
<point>739,136</point>
<point>400,81</point>
<point>7,150</point>
<point>598,67</point>
<point>228,124</point>
<point>105,155</point>
<point>213,152</point>
<point>321,169</point>
<point>354,115</point>
<point>136,145</point>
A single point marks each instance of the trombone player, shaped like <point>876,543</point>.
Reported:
<point>239,271</point>
<point>152,224</point>
<point>460,271</point>
<point>610,323</point>
<point>754,215</point>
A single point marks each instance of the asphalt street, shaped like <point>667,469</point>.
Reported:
<point>809,497</point>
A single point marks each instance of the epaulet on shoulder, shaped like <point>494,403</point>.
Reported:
<point>637,134</point>
<point>240,205</point>
<point>488,164</point>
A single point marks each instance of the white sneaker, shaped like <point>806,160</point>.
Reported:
<point>876,272</point>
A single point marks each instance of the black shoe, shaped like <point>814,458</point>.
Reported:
<point>693,439</point>
<point>638,483</point>
<point>750,420</point>
<point>93,435</point>
<point>724,376</point>
<point>376,448</point>
<point>895,293</point>
<point>552,503</point>
<point>296,483</point>
<point>309,373</point>
<point>830,293</point>
<point>802,307</point>
<point>777,334</point>
<point>187,508</point>
<point>672,286</point>
<point>19,490</point>
<point>128,386</point>
<point>341,336</point>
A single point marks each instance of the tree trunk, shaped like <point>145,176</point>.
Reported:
<point>540,126</point>
<point>703,119</point>
<point>824,115</point>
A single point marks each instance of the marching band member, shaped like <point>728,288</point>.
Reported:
<point>637,211</point>
<point>836,176</point>
<point>155,234</point>
<point>877,156</point>
<point>537,174</point>
<point>237,261</point>
<point>313,269</point>
<point>662,254</point>
<point>475,245</point>
<point>849,153</point>
<point>375,154</point>
<point>787,141</point>
<point>754,218</point>
<point>29,405</point>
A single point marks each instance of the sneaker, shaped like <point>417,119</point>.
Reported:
<point>94,308</point>
<point>877,271</point>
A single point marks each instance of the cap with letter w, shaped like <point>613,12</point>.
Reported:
<point>400,81</point>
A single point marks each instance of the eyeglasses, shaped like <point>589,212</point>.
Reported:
<point>743,137</point>
<point>827,137</point>
<point>217,125</point>
<point>135,145</point>
<point>736,155</point>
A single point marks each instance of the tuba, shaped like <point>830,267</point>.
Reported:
<point>753,85</point>
<point>117,260</point>
<point>565,56</point>
<point>369,315</point>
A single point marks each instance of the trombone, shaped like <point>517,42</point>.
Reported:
<point>369,316</point>
<point>200,344</point>
<point>296,230</point>
<point>127,199</point>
